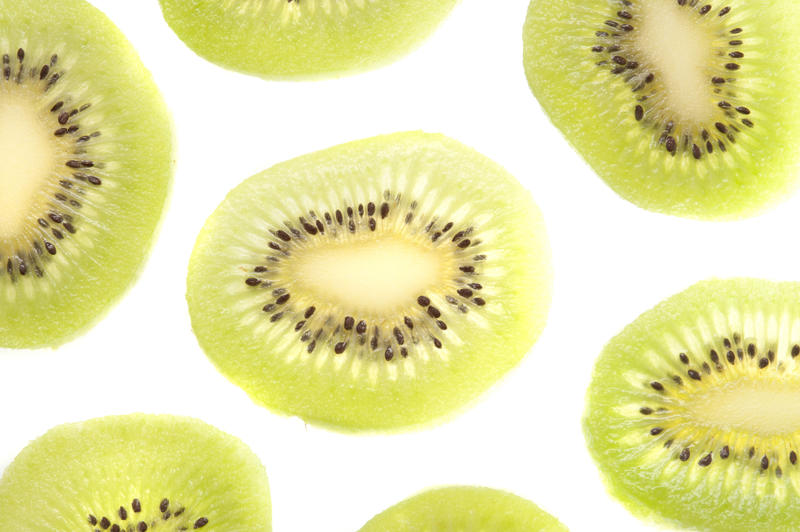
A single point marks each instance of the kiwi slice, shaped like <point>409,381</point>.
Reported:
<point>133,474</point>
<point>280,39</point>
<point>685,107</point>
<point>691,413</point>
<point>86,141</point>
<point>378,284</point>
<point>464,509</point>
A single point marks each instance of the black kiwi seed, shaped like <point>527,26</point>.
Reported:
<point>725,452</point>
<point>685,454</point>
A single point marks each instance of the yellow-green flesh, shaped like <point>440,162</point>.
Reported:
<point>686,108</point>
<point>379,284</point>
<point>117,473</point>
<point>303,38</point>
<point>464,509</point>
<point>86,144</point>
<point>692,412</point>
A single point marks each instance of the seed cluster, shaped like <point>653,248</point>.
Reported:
<point>392,336</point>
<point>132,519</point>
<point>30,251</point>
<point>735,357</point>
<point>620,58</point>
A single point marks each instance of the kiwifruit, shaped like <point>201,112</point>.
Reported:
<point>691,413</point>
<point>464,509</point>
<point>685,107</point>
<point>379,284</point>
<point>86,143</point>
<point>280,39</point>
<point>135,473</point>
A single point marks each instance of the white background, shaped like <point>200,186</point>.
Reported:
<point>612,262</point>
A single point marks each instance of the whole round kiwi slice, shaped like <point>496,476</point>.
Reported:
<point>135,473</point>
<point>378,284</point>
<point>685,107</point>
<point>464,509</point>
<point>692,413</point>
<point>86,143</point>
<point>280,39</point>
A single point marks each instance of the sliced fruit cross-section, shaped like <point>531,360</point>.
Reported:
<point>378,284</point>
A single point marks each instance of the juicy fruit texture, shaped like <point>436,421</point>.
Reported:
<point>86,141</point>
<point>692,412</point>
<point>464,509</point>
<point>133,474</point>
<point>683,107</point>
<point>303,38</point>
<point>378,284</point>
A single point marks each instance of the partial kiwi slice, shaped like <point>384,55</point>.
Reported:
<point>133,474</point>
<point>280,39</point>
<point>692,413</point>
<point>375,285</point>
<point>464,509</point>
<point>685,107</point>
<point>86,143</point>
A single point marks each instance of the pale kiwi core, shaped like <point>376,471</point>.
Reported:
<point>29,153</point>
<point>762,408</point>
<point>679,50</point>
<point>374,276</point>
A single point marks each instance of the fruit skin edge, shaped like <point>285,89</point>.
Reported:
<point>471,496</point>
<point>194,39</point>
<point>779,292</point>
<point>422,419</point>
<point>14,334</point>
<point>742,200</point>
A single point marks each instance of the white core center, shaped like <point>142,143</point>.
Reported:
<point>27,154</point>
<point>369,276</point>
<point>678,49</point>
<point>766,408</point>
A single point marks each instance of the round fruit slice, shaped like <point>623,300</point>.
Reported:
<point>682,107</point>
<point>303,38</point>
<point>133,474</point>
<point>378,284</point>
<point>86,144</point>
<point>464,509</point>
<point>692,414</point>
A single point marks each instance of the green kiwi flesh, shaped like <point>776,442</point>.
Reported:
<point>379,284</point>
<point>135,473</point>
<point>87,144</point>
<point>691,414</point>
<point>303,38</point>
<point>464,509</point>
<point>685,107</point>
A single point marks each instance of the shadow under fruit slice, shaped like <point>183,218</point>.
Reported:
<point>303,38</point>
<point>692,414</point>
<point>684,107</point>
<point>464,509</point>
<point>378,284</point>
<point>86,147</point>
<point>133,474</point>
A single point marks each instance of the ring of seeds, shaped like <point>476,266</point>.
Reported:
<point>138,517</point>
<point>420,325</point>
<point>649,48</point>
